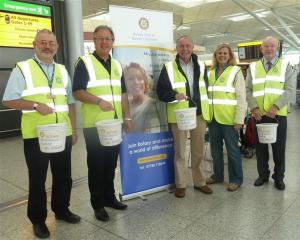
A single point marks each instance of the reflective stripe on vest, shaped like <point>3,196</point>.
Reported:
<point>38,90</point>
<point>221,94</point>
<point>31,90</point>
<point>55,108</point>
<point>106,86</point>
<point>268,86</point>
<point>42,90</point>
<point>203,92</point>
<point>178,82</point>
<point>229,86</point>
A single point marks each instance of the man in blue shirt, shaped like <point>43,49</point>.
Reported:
<point>45,46</point>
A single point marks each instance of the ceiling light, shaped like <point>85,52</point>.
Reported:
<point>101,17</point>
<point>190,3</point>
<point>244,16</point>
<point>277,27</point>
<point>241,40</point>
<point>182,27</point>
<point>215,35</point>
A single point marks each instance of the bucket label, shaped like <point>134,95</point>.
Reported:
<point>186,119</point>
<point>51,142</point>
<point>110,134</point>
<point>267,133</point>
<point>52,138</point>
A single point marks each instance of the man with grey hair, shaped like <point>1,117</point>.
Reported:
<point>269,85</point>
<point>99,85</point>
<point>182,84</point>
<point>42,89</point>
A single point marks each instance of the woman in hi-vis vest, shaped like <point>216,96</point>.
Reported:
<point>227,107</point>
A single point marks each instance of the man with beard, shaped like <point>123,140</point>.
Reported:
<point>42,90</point>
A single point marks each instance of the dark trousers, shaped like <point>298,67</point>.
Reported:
<point>278,149</point>
<point>37,163</point>
<point>102,162</point>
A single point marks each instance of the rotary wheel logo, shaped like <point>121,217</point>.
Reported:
<point>144,23</point>
<point>222,79</point>
<point>103,131</point>
<point>58,80</point>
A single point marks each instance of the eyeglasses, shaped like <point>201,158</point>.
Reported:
<point>46,43</point>
<point>102,39</point>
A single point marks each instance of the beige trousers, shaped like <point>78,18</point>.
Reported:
<point>197,154</point>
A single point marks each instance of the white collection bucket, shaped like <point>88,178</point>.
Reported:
<point>109,132</point>
<point>267,132</point>
<point>186,118</point>
<point>52,137</point>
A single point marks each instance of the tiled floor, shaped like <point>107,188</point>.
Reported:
<point>250,213</point>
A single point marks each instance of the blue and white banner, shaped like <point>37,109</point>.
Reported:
<point>143,43</point>
<point>146,163</point>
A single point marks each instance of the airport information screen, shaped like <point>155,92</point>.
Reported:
<point>20,21</point>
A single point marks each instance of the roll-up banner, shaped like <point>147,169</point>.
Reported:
<point>143,43</point>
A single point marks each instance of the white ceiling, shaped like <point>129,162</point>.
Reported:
<point>209,23</point>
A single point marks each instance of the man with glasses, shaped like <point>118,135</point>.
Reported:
<point>42,89</point>
<point>99,85</point>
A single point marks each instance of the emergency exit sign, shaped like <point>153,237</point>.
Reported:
<point>27,8</point>
<point>19,22</point>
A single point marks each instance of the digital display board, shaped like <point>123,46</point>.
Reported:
<point>19,22</point>
<point>249,50</point>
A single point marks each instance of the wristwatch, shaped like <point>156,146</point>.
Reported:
<point>99,101</point>
<point>35,105</point>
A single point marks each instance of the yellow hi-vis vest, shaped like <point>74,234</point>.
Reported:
<point>268,86</point>
<point>104,85</point>
<point>221,95</point>
<point>178,82</point>
<point>37,90</point>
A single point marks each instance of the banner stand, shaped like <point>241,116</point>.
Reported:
<point>143,193</point>
<point>143,44</point>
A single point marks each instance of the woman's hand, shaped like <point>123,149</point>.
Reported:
<point>237,126</point>
<point>74,137</point>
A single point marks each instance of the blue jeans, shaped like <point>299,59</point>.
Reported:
<point>218,132</point>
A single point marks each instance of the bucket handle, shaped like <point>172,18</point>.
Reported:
<point>266,118</point>
<point>192,101</point>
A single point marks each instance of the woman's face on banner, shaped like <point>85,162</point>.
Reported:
<point>135,82</point>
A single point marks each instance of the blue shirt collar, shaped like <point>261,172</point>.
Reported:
<point>40,62</point>
<point>273,61</point>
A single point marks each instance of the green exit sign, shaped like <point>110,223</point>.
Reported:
<point>27,8</point>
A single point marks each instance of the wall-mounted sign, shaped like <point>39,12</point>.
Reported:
<point>249,51</point>
<point>20,21</point>
<point>245,44</point>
